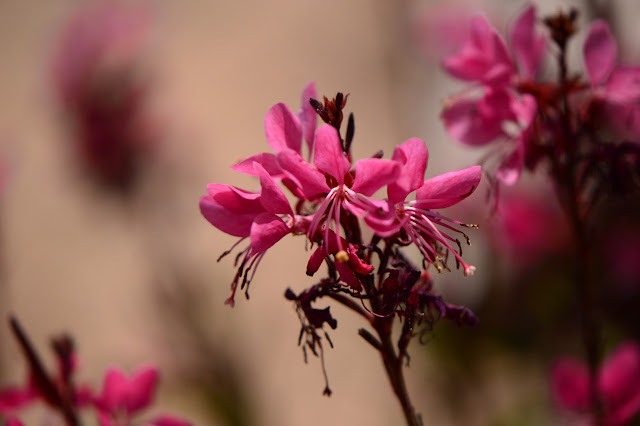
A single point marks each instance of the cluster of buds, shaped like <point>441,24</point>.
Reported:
<point>117,404</point>
<point>334,204</point>
<point>582,127</point>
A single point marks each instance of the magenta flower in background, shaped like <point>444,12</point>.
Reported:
<point>123,397</point>
<point>616,87</point>
<point>416,220</point>
<point>528,227</point>
<point>96,73</point>
<point>618,385</point>
<point>495,108</point>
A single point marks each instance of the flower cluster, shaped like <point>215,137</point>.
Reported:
<point>333,194</point>
<point>575,124</point>
<point>336,207</point>
<point>117,404</point>
<point>618,383</point>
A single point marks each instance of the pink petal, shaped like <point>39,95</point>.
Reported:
<point>328,156</point>
<point>623,85</point>
<point>347,276</point>
<point>12,421</point>
<point>483,57</point>
<point>315,260</point>
<point>308,116</point>
<point>267,160</point>
<point>412,155</point>
<point>272,197</point>
<point>142,388</point>
<point>283,129</point>
<point>114,391</point>
<point>600,52</point>
<point>373,173</point>
<point>230,209</point>
<point>477,122</point>
<point>168,421</point>
<point>619,382</point>
<point>14,398</point>
<point>306,177</point>
<point>570,384</point>
<point>267,229</point>
<point>448,189</point>
<point>527,47</point>
<point>385,222</point>
<point>511,168</point>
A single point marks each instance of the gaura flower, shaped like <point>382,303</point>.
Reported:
<point>244,214</point>
<point>333,185</point>
<point>496,109</point>
<point>123,397</point>
<point>416,220</point>
<point>616,87</point>
<point>618,385</point>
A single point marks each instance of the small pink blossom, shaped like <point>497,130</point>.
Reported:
<point>249,215</point>
<point>496,109</point>
<point>417,219</point>
<point>618,385</point>
<point>123,397</point>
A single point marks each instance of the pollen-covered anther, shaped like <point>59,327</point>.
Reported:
<point>342,256</point>
<point>469,270</point>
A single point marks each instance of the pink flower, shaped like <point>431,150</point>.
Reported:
<point>122,397</point>
<point>618,385</point>
<point>496,109</point>
<point>95,72</point>
<point>332,184</point>
<point>617,87</point>
<point>249,215</point>
<point>527,227</point>
<point>416,220</point>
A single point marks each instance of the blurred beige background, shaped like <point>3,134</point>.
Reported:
<point>81,262</point>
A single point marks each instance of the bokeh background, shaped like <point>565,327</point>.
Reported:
<point>132,275</point>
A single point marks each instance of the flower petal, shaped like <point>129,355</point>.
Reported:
<point>448,189</point>
<point>230,209</point>
<point>528,48</point>
<point>308,116</point>
<point>511,168</point>
<point>267,160</point>
<point>477,122</point>
<point>267,229</point>
<point>272,197</point>
<point>328,156</point>
<point>374,173</point>
<point>306,177</point>
<point>413,156</point>
<point>570,384</point>
<point>600,52</point>
<point>141,388</point>
<point>282,129</point>
<point>619,383</point>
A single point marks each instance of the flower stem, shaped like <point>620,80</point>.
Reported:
<point>393,366</point>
